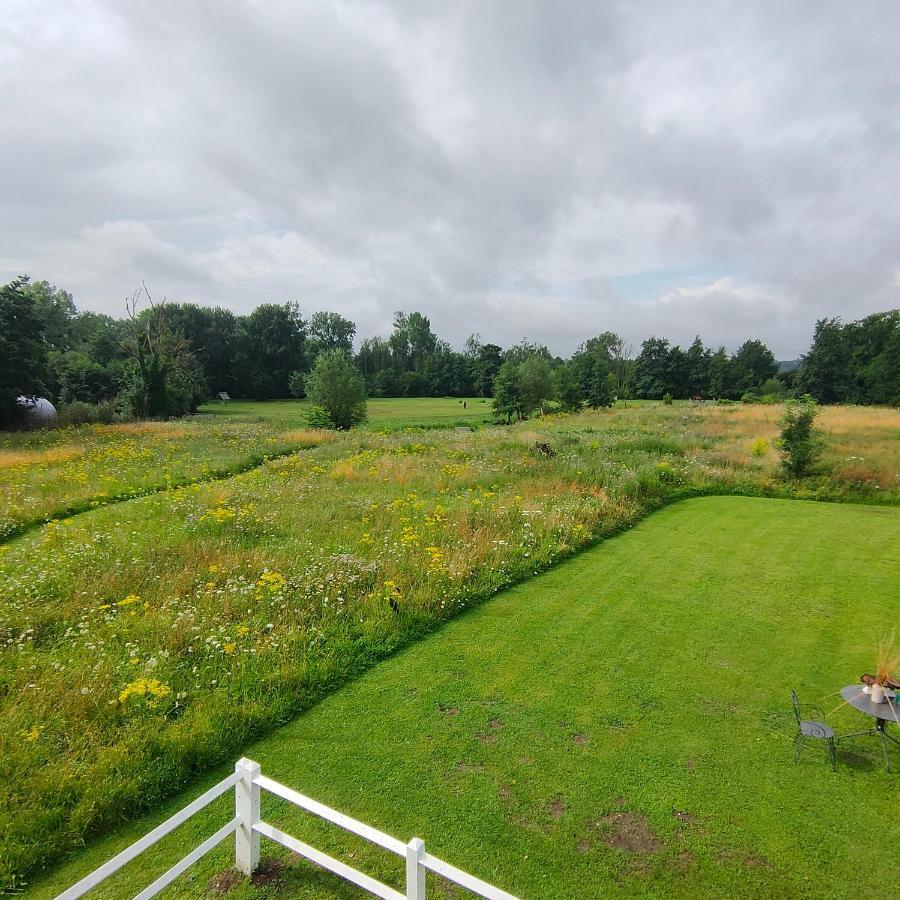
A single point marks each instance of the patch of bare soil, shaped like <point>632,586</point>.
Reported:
<point>268,874</point>
<point>225,882</point>
<point>629,831</point>
<point>556,808</point>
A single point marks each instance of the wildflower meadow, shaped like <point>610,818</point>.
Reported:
<point>142,642</point>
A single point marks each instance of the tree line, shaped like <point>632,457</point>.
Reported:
<point>164,359</point>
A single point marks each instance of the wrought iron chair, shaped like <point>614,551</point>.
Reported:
<point>812,729</point>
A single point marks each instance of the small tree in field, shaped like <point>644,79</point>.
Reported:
<point>800,444</point>
<point>507,402</point>
<point>336,386</point>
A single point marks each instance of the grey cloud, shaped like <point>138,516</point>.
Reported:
<point>499,166</point>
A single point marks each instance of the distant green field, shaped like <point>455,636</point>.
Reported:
<point>383,412</point>
<point>618,726</point>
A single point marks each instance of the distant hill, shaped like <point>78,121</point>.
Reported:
<point>789,365</point>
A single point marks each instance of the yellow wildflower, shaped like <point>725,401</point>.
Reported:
<point>33,733</point>
<point>151,689</point>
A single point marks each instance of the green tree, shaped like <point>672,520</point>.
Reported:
<point>568,388</point>
<point>651,369</point>
<point>56,310</point>
<point>721,375</point>
<point>800,444</point>
<point>273,339</point>
<point>484,363</point>
<point>336,385</point>
<point>535,384</point>
<point>212,336</point>
<point>757,363</point>
<point>507,400</point>
<point>825,371</point>
<point>23,352</point>
<point>374,360</point>
<point>698,358</point>
<point>330,331</point>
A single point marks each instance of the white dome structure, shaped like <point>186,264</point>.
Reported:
<point>38,411</point>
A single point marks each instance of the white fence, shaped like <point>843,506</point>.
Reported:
<point>247,826</point>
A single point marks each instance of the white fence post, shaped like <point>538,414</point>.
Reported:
<point>246,808</point>
<point>415,871</point>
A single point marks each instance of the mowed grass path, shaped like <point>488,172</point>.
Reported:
<point>619,725</point>
<point>383,412</point>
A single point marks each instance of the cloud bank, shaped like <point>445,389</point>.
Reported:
<point>513,168</point>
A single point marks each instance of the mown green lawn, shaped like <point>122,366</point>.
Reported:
<point>619,725</point>
<point>384,412</point>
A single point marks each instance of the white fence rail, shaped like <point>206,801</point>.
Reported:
<point>247,827</point>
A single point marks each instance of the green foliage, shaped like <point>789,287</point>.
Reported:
<point>756,364</point>
<point>330,331</point>
<point>106,412</point>
<point>652,369</point>
<point>272,346</point>
<point>772,390</point>
<point>81,379</point>
<point>854,363</point>
<point>667,399</point>
<point>318,417</point>
<point>521,386</point>
<point>760,448</point>
<point>507,401</point>
<point>535,383</point>
<point>297,384</point>
<point>335,385</point>
<point>568,389</point>
<point>800,444</point>
<point>23,352</point>
<point>601,390</point>
<point>662,368</point>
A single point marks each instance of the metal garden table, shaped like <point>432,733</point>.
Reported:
<point>882,713</point>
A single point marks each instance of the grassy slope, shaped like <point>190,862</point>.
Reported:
<point>649,678</point>
<point>383,412</point>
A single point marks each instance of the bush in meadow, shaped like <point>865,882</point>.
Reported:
<point>800,444</point>
<point>336,385</point>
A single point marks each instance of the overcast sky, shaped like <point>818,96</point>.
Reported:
<point>547,170</point>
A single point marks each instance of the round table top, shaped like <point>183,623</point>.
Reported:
<point>862,701</point>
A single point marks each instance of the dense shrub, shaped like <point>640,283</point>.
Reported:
<point>80,413</point>
<point>667,399</point>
